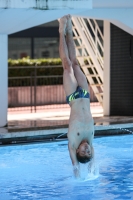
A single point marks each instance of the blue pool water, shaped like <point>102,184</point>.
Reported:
<point>44,171</point>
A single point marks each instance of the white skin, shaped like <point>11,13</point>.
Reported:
<point>81,128</point>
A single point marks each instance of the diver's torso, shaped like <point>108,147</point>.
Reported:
<point>81,125</point>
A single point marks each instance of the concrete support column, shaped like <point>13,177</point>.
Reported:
<point>3,79</point>
<point>106,86</point>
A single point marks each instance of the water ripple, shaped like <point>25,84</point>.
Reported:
<point>44,171</point>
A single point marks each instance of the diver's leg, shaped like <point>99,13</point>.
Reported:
<point>70,41</point>
<point>63,50</point>
<point>69,81</point>
<point>79,75</point>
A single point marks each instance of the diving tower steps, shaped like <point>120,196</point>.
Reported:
<point>89,41</point>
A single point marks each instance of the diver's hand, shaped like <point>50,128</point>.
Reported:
<point>76,171</point>
<point>76,174</point>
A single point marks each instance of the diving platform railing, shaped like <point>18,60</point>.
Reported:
<point>89,40</point>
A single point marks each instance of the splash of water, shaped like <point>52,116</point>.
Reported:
<point>89,171</point>
<point>127,130</point>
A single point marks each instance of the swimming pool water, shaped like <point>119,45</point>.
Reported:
<point>44,171</point>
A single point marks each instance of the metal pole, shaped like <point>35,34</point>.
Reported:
<point>35,88</point>
<point>31,91</point>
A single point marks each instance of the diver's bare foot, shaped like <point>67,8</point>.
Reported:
<point>62,25</point>
<point>69,24</point>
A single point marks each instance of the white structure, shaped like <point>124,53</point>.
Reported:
<point>88,51</point>
<point>17,15</point>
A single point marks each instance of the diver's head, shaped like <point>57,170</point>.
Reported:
<point>84,152</point>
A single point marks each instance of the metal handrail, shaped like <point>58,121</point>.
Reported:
<point>32,67</point>
<point>26,77</point>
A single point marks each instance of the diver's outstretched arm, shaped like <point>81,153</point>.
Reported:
<point>74,160</point>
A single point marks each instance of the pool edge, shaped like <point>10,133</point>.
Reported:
<point>56,133</point>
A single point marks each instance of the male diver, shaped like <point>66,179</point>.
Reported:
<point>81,125</point>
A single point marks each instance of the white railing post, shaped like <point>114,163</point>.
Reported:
<point>106,95</point>
<point>3,79</point>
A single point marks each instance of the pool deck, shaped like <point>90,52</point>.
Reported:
<point>48,123</point>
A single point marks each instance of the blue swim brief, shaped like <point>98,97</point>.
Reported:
<point>79,93</point>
